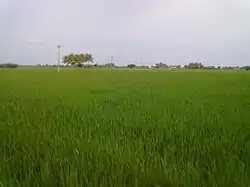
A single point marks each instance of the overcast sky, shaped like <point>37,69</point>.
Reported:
<point>133,31</point>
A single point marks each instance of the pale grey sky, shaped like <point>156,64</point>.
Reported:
<point>142,31</point>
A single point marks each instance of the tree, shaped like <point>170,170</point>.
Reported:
<point>247,68</point>
<point>194,65</point>
<point>77,59</point>
<point>66,59</point>
<point>161,65</point>
<point>131,66</point>
<point>9,65</point>
<point>89,57</point>
<point>69,59</point>
<point>208,67</point>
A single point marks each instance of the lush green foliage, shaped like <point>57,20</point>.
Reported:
<point>77,59</point>
<point>9,65</point>
<point>131,66</point>
<point>124,128</point>
<point>194,65</point>
<point>247,68</point>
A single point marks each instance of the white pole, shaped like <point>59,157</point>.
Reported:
<point>58,58</point>
<point>111,59</point>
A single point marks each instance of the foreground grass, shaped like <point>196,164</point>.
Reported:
<point>124,128</point>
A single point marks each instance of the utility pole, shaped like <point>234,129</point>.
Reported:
<point>111,59</point>
<point>58,57</point>
<point>111,62</point>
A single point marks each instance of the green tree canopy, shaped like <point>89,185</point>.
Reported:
<point>194,65</point>
<point>77,59</point>
<point>131,66</point>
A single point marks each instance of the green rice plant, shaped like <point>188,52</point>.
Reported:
<point>147,128</point>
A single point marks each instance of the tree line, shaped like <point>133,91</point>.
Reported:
<point>86,60</point>
<point>9,65</point>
